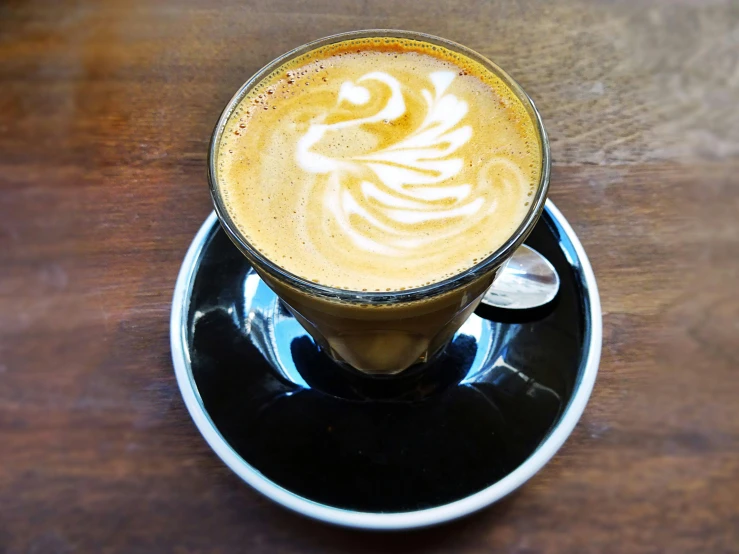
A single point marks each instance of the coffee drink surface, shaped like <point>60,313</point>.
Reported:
<point>379,164</point>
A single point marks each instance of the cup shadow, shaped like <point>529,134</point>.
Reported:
<point>357,443</point>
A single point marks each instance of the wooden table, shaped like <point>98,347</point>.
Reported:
<point>106,110</point>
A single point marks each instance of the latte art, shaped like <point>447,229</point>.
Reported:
<point>410,177</point>
<point>379,169</point>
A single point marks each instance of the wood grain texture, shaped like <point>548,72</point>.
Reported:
<point>106,109</point>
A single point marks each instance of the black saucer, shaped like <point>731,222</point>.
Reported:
<point>307,432</point>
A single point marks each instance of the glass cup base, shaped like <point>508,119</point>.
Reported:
<point>292,352</point>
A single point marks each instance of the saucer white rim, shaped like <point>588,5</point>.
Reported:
<point>369,520</point>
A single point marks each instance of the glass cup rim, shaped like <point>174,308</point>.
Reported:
<point>392,297</point>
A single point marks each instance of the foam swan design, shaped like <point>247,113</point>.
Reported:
<point>410,177</point>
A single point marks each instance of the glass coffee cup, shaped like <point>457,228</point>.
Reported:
<point>382,332</point>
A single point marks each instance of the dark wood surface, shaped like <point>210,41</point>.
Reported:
<point>106,109</point>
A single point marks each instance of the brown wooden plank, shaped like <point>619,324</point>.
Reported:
<point>106,109</point>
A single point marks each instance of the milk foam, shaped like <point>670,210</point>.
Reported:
<point>379,170</point>
<point>404,170</point>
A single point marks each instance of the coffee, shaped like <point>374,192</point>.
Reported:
<point>379,164</point>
